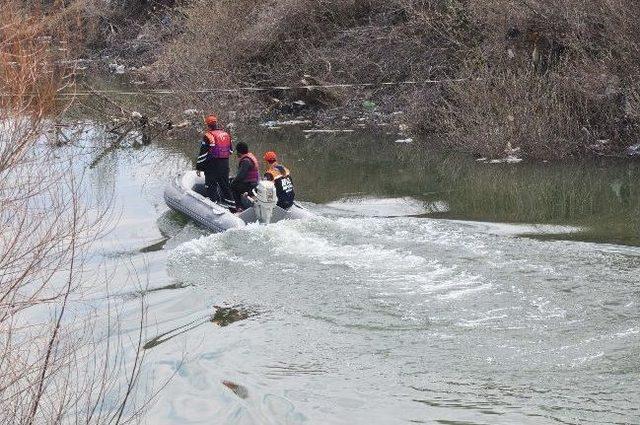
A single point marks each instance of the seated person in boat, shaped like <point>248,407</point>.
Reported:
<point>213,159</point>
<point>281,177</point>
<point>248,174</point>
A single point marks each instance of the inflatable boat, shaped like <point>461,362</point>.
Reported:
<point>185,194</point>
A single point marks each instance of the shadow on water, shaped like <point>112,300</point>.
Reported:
<point>170,223</point>
<point>170,287</point>
<point>154,247</point>
<point>166,336</point>
<point>223,316</point>
<point>602,199</point>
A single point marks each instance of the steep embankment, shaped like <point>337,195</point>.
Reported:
<point>554,79</point>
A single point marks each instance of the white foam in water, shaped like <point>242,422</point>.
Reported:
<point>386,207</point>
<point>295,243</point>
<point>362,251</point>
<point>465,292</point>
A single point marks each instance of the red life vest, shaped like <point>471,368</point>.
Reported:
<point>253,176</point>
<point>219,144</point>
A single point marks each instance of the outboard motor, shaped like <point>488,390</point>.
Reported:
<point>265,201</point>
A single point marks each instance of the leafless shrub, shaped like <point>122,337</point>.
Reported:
<point>52,370</point>
<point>553,78</point>
<point>239,44</point>
<point>483,115</point>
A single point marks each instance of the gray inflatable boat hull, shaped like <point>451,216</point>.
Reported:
<point>180,196</point>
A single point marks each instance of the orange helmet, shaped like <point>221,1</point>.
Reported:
<point>211,120</point>
<point>270,156</point>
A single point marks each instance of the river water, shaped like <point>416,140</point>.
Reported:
<point>430,289</point>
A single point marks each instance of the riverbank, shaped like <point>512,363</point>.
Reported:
<point>542,82</point>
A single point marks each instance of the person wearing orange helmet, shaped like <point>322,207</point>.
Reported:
<point>281,177</point>
<point>213,160</point>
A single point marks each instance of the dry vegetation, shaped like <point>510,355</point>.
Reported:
<point>556,79</point>
<point>52,369</point>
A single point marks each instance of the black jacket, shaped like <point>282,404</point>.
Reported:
<point>243,169</point>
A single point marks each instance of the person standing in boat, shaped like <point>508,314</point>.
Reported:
<point>213,160</point>
<point>281,177</point>
<point>248,174</point>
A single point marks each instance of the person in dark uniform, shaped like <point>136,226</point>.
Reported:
<point>248,174</point>
<point>281,177</point>
<point>213,160</point>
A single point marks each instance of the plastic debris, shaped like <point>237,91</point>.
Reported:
<point>634,151</point>
<point>511,151</point>
<point>283,123</point>
<point>507,160</point>
<point>369,105</point>
<point>327,131</point>
<point>116,68</point>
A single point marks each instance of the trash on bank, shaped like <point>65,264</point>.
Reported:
<point>369,105</point>
<point>509,159</point>
<point>327,131</point>
<point>117,68</point>
<point>288,122</point>
<point>182,124</point>
<point>600,146</point>
<point>633,151</point>
<point>409,140</point>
